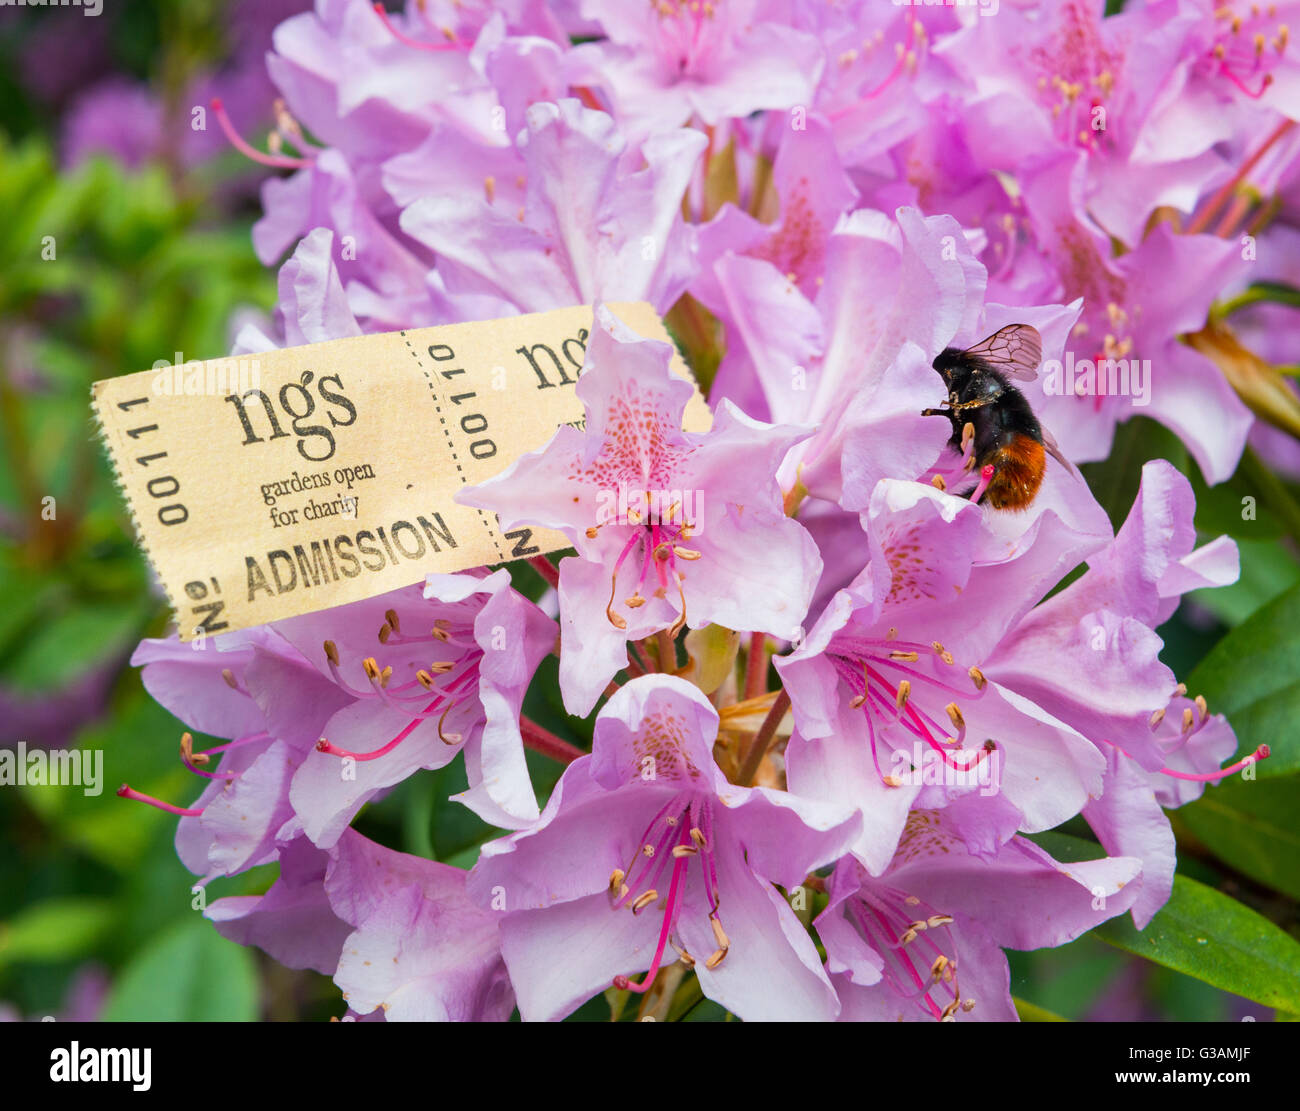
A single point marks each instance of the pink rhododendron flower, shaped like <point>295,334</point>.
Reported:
<point>649,812</point>
<point>665,62</point>
<point>672,528</point>
<point>923,940</point>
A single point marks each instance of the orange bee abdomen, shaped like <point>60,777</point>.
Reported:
<point>1018,472</point>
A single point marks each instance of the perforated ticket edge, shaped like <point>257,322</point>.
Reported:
<point>639,316</point>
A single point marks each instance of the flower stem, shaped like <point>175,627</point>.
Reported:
<point>546,569</point>
<point>547,743</point>
<point>667,650</point>
<point>639,659</point>
<point>756,666</point>
<point>1222,197</point>
<point>763,739</point>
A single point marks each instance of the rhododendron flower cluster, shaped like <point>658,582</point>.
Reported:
<point>819,199</point>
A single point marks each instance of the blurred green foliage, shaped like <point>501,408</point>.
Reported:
<point>103,271</point>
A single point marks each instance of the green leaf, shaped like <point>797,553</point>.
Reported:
<point>1253,676</point>
<point>54,929</point>
<point>188,974</point>
<point>1251,826</point>
<point>1209,936</point>
<point>1267,570</point>
<point>68,644</point>
<point>1279,293</point>
<point>1032,1012</point>
<point>1114,480</point>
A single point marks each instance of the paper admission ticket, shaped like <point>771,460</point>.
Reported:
<point>266,486</point>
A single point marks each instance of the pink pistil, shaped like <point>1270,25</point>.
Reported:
<point>1261,753</point>
<point>334,750</point>
<point>453,43</point>
<point>127,792</point>
<point>670,911</point>
<point>279,161</point>
<point>986,477</point>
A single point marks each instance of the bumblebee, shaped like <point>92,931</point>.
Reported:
<point>1007,435</point>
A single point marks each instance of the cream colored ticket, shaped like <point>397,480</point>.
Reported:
<point>272,485</point>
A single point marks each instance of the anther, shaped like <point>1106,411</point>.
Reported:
<point>385,631</point>
<point>229,677</point>
<point>648,851</point>
<point>684,850</point>
<point>1189,720</point>
<point>938,483</point>
<point>905,657</point>
<point>616,878</point>
<point>685,553</point>
<point>424,679</point>
<point>332,652</point>
<point>698,838</point>
<point>977,677</point>
<point>615,619</point>
<point>448,738</point>
<point>644,900</point>
<point>187,751</point>
<point>393,621</point>
<point>371,668</point>
<point>891,781</point>
<point>904,690</point>
<point>724,943</point>
<point>1203,706</point>
<point>955,716</point>
<point>1157,718</point>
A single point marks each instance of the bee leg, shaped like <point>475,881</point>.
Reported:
<point>962,406</point>
<point>934,412</point>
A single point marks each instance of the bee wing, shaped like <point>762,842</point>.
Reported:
<point>1016,350</point>
<point>1054,450</point>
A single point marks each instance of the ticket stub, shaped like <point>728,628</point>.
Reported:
<point>267,486</point>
